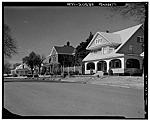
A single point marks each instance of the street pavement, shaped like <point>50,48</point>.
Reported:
<point>72,99</point>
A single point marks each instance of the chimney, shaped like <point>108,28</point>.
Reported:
<point>68,43</point>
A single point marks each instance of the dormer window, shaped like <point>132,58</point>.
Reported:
<point>140,39</point>
<point>98,41</point>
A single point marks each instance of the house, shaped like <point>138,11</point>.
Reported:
<point>21,70</point>
<point>61,55</point>
<point>118,51</point>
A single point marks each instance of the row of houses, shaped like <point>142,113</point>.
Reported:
<point>117,51</point>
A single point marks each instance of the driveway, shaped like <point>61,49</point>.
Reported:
<point>72,99</point>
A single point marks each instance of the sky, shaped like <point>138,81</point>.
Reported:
<point>38,29</point>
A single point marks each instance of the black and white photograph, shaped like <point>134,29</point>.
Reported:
<point>75,60</point>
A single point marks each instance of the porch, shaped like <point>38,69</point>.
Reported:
<point>117,65</point>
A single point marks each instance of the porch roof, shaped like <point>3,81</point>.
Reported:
<point>98,56</point>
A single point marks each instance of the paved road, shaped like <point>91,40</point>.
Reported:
<point>75,99</point>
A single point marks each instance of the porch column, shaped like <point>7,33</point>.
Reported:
<point>85,66</point>
<point>107,61</point>
<point>122,63</point>
<point>95,66</point>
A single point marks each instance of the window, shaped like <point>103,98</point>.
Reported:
<point>140,39</point>
<point>98,41</point>
<point>54,58</point>
<point>131,47</point>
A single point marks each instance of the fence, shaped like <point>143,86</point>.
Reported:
<point>73,69</point>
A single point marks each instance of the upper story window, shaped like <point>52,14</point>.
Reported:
<point>54,58</point>
<point>98,41</point>
<point>140,39</point>
<point>131,47</point>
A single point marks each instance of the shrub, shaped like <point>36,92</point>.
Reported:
<point>133,72</point>
<point>110,72</point>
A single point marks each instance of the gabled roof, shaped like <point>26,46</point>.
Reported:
<point>126,34</point>
<point>119,37</point>
<point>65,49</point>
<point>113,38</point>
<point>110,37</point>
<point>98,56</point>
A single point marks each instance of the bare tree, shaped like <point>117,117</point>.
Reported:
<point>136,10</point>
<point>7,67</point>
<point>10,46</point>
